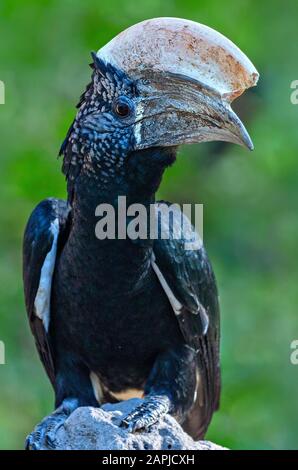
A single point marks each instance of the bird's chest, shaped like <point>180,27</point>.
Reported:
<point>112,310</point>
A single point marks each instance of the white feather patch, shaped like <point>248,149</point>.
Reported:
<point>97,387</point>
<point>138,125</point>
<point>128,394</point>
<point>43,295</point>
<point>120,396</point>
<point>176,305</point>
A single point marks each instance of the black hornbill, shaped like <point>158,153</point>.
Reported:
<point>119,318</point>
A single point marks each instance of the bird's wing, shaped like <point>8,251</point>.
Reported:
<point>188,280</point>
<point>44,234</point>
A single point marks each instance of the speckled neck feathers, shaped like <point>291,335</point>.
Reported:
<point>93,146</point>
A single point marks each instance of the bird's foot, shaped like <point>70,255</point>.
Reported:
<point>44,434</point>
<point>148,413</point>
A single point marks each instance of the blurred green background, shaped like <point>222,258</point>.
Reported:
<point>250,200</point>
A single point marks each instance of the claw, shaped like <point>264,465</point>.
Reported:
<point>148,413</point>
<point>51,439</point>
<point>44,435</point>
<point>28,443</point>
<point>31,441</point>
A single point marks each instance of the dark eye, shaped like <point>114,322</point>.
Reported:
<point>122,107</point>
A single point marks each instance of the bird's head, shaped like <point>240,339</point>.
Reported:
<point>160,83</point>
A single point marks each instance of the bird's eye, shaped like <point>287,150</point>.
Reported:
<point>122,107</point>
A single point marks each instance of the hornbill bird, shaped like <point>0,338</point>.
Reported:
<point>119,318</point>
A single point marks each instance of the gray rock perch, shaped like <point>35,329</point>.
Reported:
<point>90,428</point>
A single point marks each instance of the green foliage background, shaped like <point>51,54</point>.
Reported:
<point>250,200</point>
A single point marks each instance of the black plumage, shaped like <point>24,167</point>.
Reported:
<point>109,314</point>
